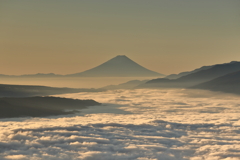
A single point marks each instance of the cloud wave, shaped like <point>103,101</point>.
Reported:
<point>154,125</point>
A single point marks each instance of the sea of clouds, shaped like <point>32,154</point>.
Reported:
<point>140,124</point>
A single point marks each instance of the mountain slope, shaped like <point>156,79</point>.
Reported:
<point>228,83</point>
<point>194,78</point>
<point>41,106</point>
<point>119,66</point>
<point>211,73</point>
<point>28,90</point>
<point>175,76</point>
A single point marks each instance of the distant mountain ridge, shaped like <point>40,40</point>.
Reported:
<point>175,76</point>
<point>201,76</point>
<point>119,66</point>
<point>229,83</point>
<point>38,75</point>
<point>213,72</point>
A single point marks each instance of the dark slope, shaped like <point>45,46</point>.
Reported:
<point>194,78</point>
<point>28,90</point>
<point>214,72</point>
<point>119,66</point>
<point>229,83</point>
<point>41,106</point>
<point>175,76</point>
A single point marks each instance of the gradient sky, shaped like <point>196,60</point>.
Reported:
<point>167,36</point>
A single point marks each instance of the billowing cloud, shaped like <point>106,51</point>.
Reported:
<point>131,124</point>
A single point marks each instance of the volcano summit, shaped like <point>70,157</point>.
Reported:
<point>119,66</point>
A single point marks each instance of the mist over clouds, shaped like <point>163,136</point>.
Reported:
<point>160,124</point>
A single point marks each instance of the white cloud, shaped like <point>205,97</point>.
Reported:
<point>19,157</point>
<point>134,124</point>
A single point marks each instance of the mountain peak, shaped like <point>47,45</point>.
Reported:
<point>234,61</point>
<point>121,56</point>
<point>120,60</point>
<point>119,66</point>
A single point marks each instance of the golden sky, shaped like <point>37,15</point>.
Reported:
<point>167,36</point>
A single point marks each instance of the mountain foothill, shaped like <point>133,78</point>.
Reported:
<point>220,77</point>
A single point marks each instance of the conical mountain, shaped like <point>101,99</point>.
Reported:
<point>119,66</point>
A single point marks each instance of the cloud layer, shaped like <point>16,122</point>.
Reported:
<point>132,124</point>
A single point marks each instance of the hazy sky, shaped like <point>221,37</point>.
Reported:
<point>69,36</point>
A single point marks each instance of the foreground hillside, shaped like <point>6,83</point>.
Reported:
<point>41,106</point>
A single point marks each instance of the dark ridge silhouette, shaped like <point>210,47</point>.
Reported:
<point>38,75</point>
<point>214,72</point>
<point>119,66</point>
<point>229,83</point>
<point>127,85</point>
<point>41,75</point>
<point>194,78</point>
<point>41,106</point>
<point>29,90</point>
<point>175,76</point>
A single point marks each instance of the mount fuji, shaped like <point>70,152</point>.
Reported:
<point>119,66</point>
